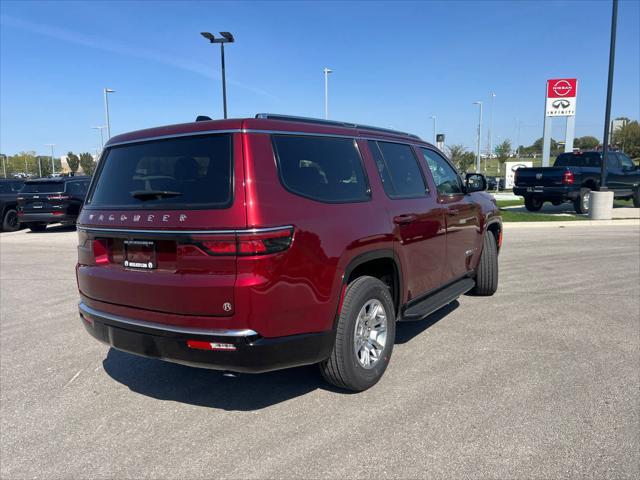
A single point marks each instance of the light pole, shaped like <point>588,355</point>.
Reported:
<point>326,71</point>
<point>433,117</point>
<point>607,114</point>
<point>490,147</point>
<point>101,136</point>
<point>479,136</point>
<point>226,38</point>
<point>53,170</point>
<point>106,110</point>
<point>4,164</point>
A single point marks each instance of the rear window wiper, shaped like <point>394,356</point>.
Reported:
<point>154,194</point>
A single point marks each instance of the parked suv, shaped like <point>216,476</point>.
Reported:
<point>51,200</point>
<point>258,244</point>
<point>9,189</point>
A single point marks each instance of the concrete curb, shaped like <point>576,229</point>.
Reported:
<point>574,223</point>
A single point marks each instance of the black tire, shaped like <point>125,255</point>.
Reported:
<point>487,273</point>
<point>581,203</point>
<point>636,199</point>
<point>37,227</point>
<point>10,221</point>
<point>533,203</point>
<point>342,368</point>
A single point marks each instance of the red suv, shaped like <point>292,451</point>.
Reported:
<point>257,244</point>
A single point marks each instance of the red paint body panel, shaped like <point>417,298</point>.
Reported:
<point>294,291</point>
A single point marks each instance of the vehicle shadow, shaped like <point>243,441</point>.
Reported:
<point>245,392</point>
<point>210,388</point>
<point>406,331</point>
<point>50,229</point>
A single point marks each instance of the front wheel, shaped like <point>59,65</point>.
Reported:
<point>364,336</point>
<point>581,203</point>
<point>487,272</point>
<point>10,222</point>
<point>533,203</point>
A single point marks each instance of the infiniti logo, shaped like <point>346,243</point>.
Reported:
<point>561,103</point>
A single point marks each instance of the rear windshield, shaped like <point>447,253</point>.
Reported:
<point>589,159</point>
<point>172,173</point>
<point>43,187</point>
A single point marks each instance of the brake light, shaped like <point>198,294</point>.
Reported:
<point>242,244</point>
<point>58,197</point>
<point>100,252</point>
<point>567,178</point>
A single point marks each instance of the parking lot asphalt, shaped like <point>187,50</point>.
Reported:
<point>540,381</point>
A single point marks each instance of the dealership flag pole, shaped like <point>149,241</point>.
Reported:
<point>607,116</point>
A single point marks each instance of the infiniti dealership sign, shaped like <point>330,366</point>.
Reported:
<point>561,97</point>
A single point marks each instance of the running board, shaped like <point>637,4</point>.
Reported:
<point>437,300</point>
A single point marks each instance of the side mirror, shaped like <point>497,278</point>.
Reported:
<point>475,182</point>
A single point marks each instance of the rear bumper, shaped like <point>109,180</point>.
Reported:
<point>46,217</point>
<point>252,354</point>
<point>549,193</point>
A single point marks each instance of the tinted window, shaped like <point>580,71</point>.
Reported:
<point>399,170</point>
<point>322,168</point>
<point>77,188</point>
<point>625,161</point>
<point>587,159</point>
<point>445,177</point>
<point>43,187</point>
<point>173,173</point>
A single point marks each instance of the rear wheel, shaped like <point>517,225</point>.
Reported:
<point>37,227</point>
<point>487,273</point>
<point>10,222</point>
<point>533,203</point>
<point>364,336</point>
<point>581,203</point>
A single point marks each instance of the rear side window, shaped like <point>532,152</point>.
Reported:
<point>43,187</point>
<point>589,159</point>
<point>326,169</point>
<point>399,171</point>
<point>77,188</point>
<point>192,172</point>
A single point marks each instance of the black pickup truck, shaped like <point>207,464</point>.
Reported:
<point>573,176</point>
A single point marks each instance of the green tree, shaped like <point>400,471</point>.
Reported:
<point>628,139</point>
<point>537,145</point>
<point>461,157</point>
<point>587,142</point>
<point>87,163</point>
<point>503,151</point>
<point>73,161</point>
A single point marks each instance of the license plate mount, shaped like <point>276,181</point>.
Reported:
<point>140,254</point>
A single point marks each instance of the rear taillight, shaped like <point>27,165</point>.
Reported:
<point>100,252</point>
<point>243,244</point>
<point>58,197</point>
<point>567,178</point>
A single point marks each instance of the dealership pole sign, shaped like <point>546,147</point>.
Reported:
<point>561,97</point>
<point>560,101</point>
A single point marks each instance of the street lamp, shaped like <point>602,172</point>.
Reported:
<point>101,136</point>
<point>226,38</point>
<point>493,96</point>
<point>326,72</point>
<point>4,164</point>
<point>53,170</point>
<point>106,110</point>
<point>434,128</point>
<point>479,136</point>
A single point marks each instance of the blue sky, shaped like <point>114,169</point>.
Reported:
<point>395,64</point>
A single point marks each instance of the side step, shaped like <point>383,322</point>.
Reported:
<point>437,300</point>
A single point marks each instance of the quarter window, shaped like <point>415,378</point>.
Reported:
<point>398,169</point>
<point>445,177</point>
<point>326,169</point>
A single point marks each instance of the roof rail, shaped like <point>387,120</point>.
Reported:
<point>319,121</point>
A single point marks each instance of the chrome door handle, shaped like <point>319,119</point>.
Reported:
<point>404,219</point>
<point>453,212</point>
